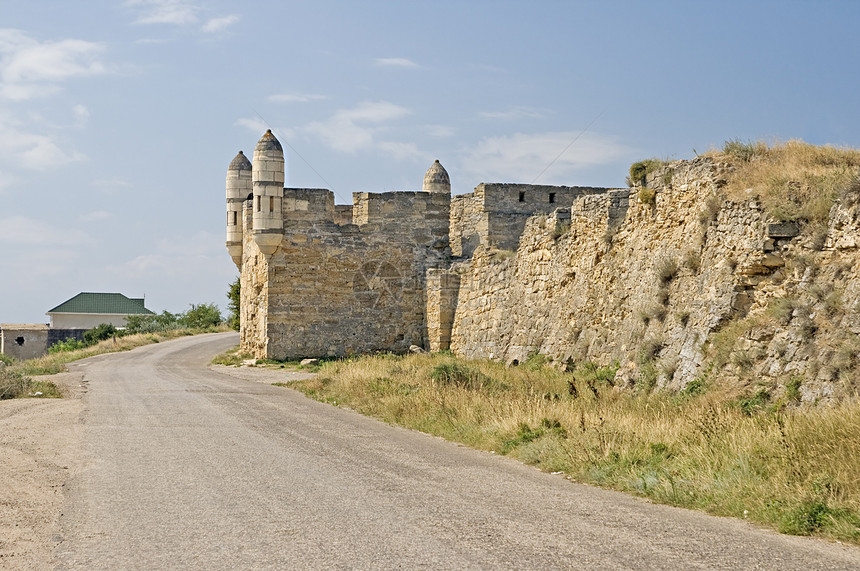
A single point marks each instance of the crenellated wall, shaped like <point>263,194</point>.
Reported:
<point>668,282</point>
<point>337,289</point>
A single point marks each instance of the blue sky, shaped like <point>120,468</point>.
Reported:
<point>118,118</point>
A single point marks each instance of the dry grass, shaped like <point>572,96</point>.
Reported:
<point>794,180</point>
<point>794,470</point>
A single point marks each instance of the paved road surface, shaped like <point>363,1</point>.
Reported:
<point>186,468</point>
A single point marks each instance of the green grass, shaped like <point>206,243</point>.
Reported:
<point>793,469</point>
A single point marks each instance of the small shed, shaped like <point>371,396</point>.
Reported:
<point>23,340</point>
<point>87,310</point>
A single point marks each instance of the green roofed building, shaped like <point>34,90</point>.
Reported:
<point>87,310</point>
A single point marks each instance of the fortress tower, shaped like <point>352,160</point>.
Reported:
<point>239,188</point>
<point>268,186</point>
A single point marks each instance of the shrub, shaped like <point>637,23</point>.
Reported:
<point>647,195</point>
<point>460,375</point>
<point>639,171</point>
<point>70,344</point>
<point>666,269</point>
<point>201,316</point>
<point>99,333</point>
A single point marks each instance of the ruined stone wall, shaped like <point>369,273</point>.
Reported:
<point>334,290</point>
<point>661,279</point>
<point>254,290</point>
<point>443,288</point>
<point>468,223</point>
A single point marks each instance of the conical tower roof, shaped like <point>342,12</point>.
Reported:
<point>240,163</point>
<point>436,179</point>
<point>268,142</point>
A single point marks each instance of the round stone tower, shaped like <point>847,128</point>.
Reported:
<point>268,178</point>
<point>436,179</point>
<point>238,188</point>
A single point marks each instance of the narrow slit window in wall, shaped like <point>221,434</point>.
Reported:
<point>551,197</point>
<point>259,204</point>
<point>235,218</point>
<point>271,204</point>
<point>522,196</point>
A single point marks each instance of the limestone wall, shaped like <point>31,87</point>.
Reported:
<point>337,289</point>
<point>468,223</point>
<point>443,288</point>
<point>597,288</point>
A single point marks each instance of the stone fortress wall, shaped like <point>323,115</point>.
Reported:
<point>573,273</point>
<point>374,276</point>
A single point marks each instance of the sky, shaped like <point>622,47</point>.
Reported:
<point>118,119</point>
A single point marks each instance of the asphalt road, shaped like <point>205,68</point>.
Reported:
<point>187,468</point>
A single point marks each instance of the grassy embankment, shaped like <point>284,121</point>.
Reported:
<point>15,381</point>
<point>797,470</point>
<point>728,453</point>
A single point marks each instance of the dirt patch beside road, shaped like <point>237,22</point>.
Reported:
<point>40,448</point>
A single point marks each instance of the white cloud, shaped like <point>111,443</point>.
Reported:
<point>511,113</point>
<point>523,157</point>
<point>216,25</point>
<point>29,68</point>
<point>295,97</point>
<point>175,12</point>
<point>348,130</point>
<point>46,154</point>
<point>395,62</point>
<point>33,151</point>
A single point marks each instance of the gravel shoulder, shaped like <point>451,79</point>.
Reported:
<point>39,448</point>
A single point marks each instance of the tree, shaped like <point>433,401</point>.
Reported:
<point>233,294</point>
<point>201,316</point>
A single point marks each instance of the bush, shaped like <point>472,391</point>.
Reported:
<point>647,195</point>
<point>99,333</point>
<point>70,344</point>
<point>458,375</point>
<point>639,171</point>
<point>165,321</point>
<point>201,316</point>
